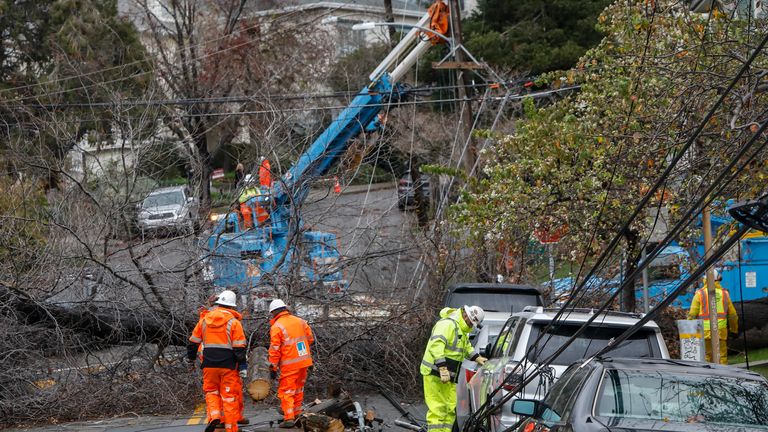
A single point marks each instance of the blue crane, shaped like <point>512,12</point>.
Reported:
<point>263,257</point>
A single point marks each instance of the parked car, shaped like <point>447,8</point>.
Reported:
<point>630,394</point>
<point>498,301</point>
<point>513,352</point>
<point>169,209</point>
<point>406,193</point>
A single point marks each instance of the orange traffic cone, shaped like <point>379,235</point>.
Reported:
<point>336,185</point>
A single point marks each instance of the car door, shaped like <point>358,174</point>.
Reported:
<point>505,364</point>
<point>486,380</point>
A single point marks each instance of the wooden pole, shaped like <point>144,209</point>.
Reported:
<point>462,80</point>
<point>711,291</point>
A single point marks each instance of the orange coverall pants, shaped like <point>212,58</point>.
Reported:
<point>290,391</point>
<point>221,399</point>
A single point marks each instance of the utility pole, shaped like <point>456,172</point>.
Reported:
<point>711,291</point>
<point>462,81</point>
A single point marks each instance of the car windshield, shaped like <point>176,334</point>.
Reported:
<point>663,396</point>
<point>494,301</point>
<point>588,343</point>
<point>163,199</point>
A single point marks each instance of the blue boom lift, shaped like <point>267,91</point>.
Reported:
<point>264,257</point>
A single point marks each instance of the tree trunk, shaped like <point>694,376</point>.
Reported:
<point>201,142</point>
<point>389,16</point>
<point>105,326</point>
<point>422,205</point>
<point>628,296</point>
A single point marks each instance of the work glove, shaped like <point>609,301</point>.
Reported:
<point>243,374</point>
<point>445,376</point>
<point>481,360</point>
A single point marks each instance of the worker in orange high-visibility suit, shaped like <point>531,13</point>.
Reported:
<point>289,341</point>
<point>224,345</point>
<point>209,305</point>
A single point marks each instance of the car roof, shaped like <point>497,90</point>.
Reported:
<point>167,189</point>
<point>541,314</point>
<point>493,287</point>
<point>688,366</point>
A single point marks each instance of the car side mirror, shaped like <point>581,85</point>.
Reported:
<point>525,407</point>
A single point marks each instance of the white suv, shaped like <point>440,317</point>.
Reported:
<point>512,353</point>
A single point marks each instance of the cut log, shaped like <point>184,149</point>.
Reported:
<point>322,423</point>
<point>259,382</point>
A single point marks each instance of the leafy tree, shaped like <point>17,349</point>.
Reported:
<point>586,161</point>
<point>57,58</point>
<point>533,36</point>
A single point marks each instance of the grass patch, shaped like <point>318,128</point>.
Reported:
<point>754,355</point>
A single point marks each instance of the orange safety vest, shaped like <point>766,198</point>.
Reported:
<point>722,307</point>
<point>289,341</point>
<point>221,334</point>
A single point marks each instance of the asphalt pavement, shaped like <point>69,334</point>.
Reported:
<point>262,417</point>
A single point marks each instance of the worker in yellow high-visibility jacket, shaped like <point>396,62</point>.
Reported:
<point>447,347</point>
<point>726,316</point>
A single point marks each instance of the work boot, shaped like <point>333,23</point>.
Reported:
<point>212,425</point>
<point>243,421</point>
<point>287,424</point>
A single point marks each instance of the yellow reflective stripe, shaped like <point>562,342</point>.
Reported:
<point>295,360</point>
<point>439,426</point>
<point>455,342</point>
<point>239,343</point>
<point>430,365</point>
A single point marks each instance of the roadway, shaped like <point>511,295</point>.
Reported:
<point>260,414</point>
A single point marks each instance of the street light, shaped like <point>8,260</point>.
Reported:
<point>372,25</point>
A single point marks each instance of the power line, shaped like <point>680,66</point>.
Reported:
<point>333,107</point>
<point>246,98</point>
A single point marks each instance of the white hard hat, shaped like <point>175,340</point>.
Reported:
<point>276,304</point>
<point>716,275</point>
<point>476,315</point>
<point>227,298</point>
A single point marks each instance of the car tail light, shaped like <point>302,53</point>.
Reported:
<point>469,374</point>
<point>531,426</point>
